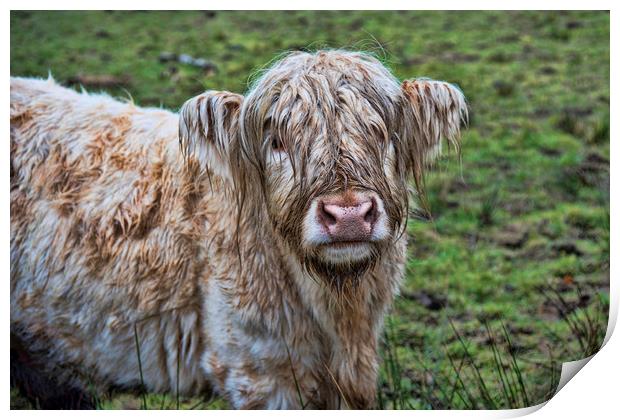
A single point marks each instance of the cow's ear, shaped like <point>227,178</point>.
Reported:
<point>208,127</point>
<point>434,111</point>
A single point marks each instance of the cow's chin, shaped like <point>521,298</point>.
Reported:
<point>342,264</point>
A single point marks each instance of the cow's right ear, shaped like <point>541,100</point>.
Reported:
<point>208,125</point>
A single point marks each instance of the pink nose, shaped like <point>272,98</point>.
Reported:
<point>348,221</point>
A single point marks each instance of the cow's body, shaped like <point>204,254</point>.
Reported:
<point>112,234</point>
<point>251,243</point>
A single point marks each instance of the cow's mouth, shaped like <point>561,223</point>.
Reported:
<point>345,244</point>
<point>346,252</point>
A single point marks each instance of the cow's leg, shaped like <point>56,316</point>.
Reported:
<point>270,393</point>
<point>247,387</point>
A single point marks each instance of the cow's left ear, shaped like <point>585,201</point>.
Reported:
<point>208,127</point>
<point>434,111</point>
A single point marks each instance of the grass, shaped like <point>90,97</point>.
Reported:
<point>511,276</point>
<point>138,354</point>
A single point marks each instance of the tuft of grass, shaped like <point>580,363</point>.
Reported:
<point>465,380</point>
<point>587,325</point>
<point>515,369</point>
<point>97,403</point>
<point>393,370</point>
<point>468,384</point>
<point>488,209</point>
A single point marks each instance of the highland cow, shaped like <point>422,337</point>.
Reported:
<point>250,245</point>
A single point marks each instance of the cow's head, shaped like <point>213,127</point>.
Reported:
<point>326,143</point>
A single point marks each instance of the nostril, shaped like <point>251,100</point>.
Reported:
<point>328,217</point>
<point>372,213</point>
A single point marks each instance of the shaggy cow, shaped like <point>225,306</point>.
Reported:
<point>257,259</point>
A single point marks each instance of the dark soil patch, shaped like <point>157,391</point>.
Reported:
<point>514,236</point>
<point>430,300</point>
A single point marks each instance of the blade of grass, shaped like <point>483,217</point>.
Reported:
<point>95,397</point>
<point>333,378</point>
<point>389,369</point>
<point>484,392</point>
<point>380,397</point>
<point>499,367</point>
<point>516,368</point>
<point>470,403</point>
<point>178,401</point>
<point>395,371</point>
<point>199,403</point>
<point>557,300</point>
<point>143,388</point>
<point>397,374</point>
<point>436,380</point>
<point>454,385</point>
<point>552,384</point>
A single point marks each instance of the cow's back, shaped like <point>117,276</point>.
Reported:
<point>107,233</point>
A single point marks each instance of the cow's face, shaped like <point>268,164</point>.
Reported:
<point>326,142</point>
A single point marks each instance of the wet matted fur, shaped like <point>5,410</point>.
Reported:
<point>202,253</point>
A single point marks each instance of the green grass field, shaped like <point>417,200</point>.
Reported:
<point>511,277</point>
